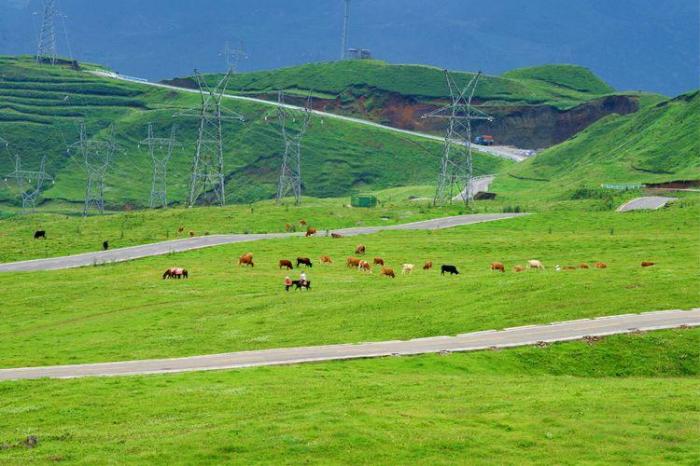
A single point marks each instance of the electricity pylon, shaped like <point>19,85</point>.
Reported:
<point>97,157</point>
<point>233,56</point>
<point>29,182</point>
<point>46,49</point>
<point>208,160</point>
<point>160,149</point>
<point>290,175</point>
<point>345,32</point>
<point>456,166</point>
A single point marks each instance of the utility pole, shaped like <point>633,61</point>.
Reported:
<point>208,161</point>
<point>97,157</point>
<point>456,166</point>
<point>46,50</point>
<point>159,160</point>
<point>29,182</point>
<point>346,30</point>
<point>290,174</point>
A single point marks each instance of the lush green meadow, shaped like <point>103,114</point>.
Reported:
<point>622,400</point>
<point>125,311</point>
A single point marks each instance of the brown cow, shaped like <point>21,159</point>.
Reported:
<point>378,261</point>
<point>498,266</point>
<point>518,268</point>
<point>326,260</point>
<point>583,266</point>
<point>360,249</point>
<point>352,262</point>
<point>387,272</point>
<point>288,227</point>
<point>246,259</point>
<point>364,266</point>
<point>284,263</point>
<point>601,265</point>
<point>648,264</point>
<point>302,222</point>
<point>428,265</point>
<point>310,232</point>
<point>336,235</point>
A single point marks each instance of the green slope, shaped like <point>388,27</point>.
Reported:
<point>659,143</point>
<point>573,77</point>
<point>41,106</point>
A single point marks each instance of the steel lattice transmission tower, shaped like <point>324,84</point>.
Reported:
<point>345,32</point>
<point>290,174</point>
<point>29,182</point>
<point>456,166</point>
<point>161,150</point>
<point>96,157</point>
<point>46,50</point>
<point>208,161</point>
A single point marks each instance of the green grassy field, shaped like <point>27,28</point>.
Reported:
<point>562,86</point>
<point>41,108</point>
<point>656,144</point>
<point>622,400</point>
<point>125,311</point>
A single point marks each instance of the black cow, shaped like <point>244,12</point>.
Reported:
<point>40,234</point>
<point>304,260</point>
<point>105,245</point>
<point>451,269</point>
<point>298,285</point>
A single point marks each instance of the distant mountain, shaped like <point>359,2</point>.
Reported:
<point>631,44</point>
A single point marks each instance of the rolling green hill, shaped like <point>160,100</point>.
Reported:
<point>41,107</point>
<point>658,144</point>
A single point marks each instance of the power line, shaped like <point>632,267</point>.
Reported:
<point>456,166</point>
<point>159,160</point>
<point>46,49</point>
<point>97,158</point>
<point>233,56</point>
<point>290,174</point>
<point>208,161</point>
<point>29,182</point>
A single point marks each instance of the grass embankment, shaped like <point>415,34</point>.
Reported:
<point>126,311</point>
<point>625,399</point>
<point>41,108</point>
<point>656,144</point>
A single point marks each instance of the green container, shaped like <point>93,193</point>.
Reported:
<point>363,200</point>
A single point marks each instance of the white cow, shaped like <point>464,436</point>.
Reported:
<point>535,264</point>
<point>407,268</point>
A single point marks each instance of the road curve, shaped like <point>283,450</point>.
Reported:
<point>645,203</point>
<point>506,152</point>
<point>510,337</point>
<point>180,245</point>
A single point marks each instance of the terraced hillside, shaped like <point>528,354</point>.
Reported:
<point>658,144</point>
<point>535,107</point>
<point>41,107</point>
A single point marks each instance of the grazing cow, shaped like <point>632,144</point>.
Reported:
<point>360,249</point>
<point>246,259</point>
<point>407,269</point>
<point>518,268</point>
<point>428,265</point>
<point>387,272</point>
<point>378,261</point>
<point>284,263</point>
<point>648,264</point>
<point>181,229</point>
<point>568,267</point>
<point>310,232</point>
<point>601,265</point>
<point>297,284</point>
<point>191,234</point>
<point>302,222</point>
<point>105,245</point>
<point>40,234</point>
<point>498,266</point>
<point>535,264</point>
<point>326,260</point>
<point>288,227</point>
<point>305,261</point>
<point>583,266</point>
<point>451,269</point>
<point>336,235</point>
<point>175,272</point>
<point>352,262</point>
<point>364,266</point>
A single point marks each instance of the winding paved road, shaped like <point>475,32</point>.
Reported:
<point>506,152</point>
<point>645,203</point>
<point>510,337</point>
<point>180,245</point>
